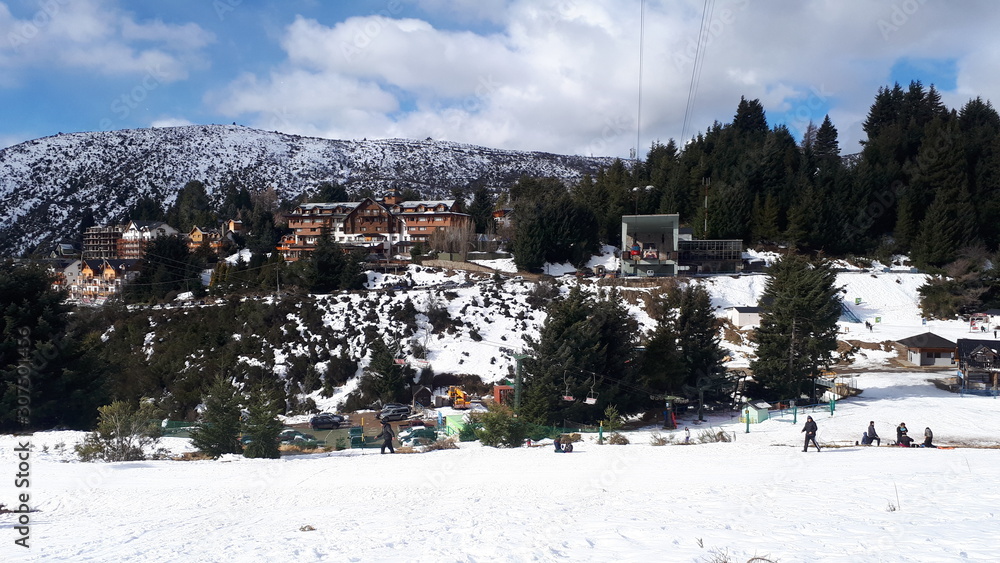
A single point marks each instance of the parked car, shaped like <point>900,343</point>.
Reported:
<point>292,436</point>
<point>326,421</point>
<point>393,411</point>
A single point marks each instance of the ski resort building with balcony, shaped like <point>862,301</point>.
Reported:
<point>388,225</point>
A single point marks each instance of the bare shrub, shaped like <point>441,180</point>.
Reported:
<point>449,443</point>
<point>618,439</point>
<point>709,436</point>
<point>656,439</point>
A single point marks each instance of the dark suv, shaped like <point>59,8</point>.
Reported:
<point>326,421</point>
<point>393,411</point>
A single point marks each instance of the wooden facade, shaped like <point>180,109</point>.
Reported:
<point>388,226</point>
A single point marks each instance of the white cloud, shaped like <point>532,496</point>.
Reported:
<point>562,75</point>
<point>96,35</point>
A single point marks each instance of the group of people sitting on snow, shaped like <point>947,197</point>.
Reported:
<point>902,437</point>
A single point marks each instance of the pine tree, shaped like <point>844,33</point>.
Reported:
<point>528,244</point>
<point>662,367</point>
<point>192,208</point>
<point>827,148</point>
<point>764,219</point>
<point>219,431</point>
<point>697,330</point>
<point>329,192</point>
<point>906,227</point>
<point>481,210</point>
<point>750,117</point>
<point>167,266</point>
<point>384,380</point>
<point>262,427</point>
<point>798,330</point>
<point>947,227</point>
<point>46,377</point>
<point>584,339</point>
<point>949,223</point>
<point>684,348</point>
<point>729,212</point>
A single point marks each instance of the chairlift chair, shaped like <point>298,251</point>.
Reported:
<point>591,395</point>
<point>567,396</point>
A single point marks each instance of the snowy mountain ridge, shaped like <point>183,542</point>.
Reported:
<point>47,184</point>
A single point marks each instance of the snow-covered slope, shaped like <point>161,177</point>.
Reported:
<point>759,495</point>
<point>46,184</point>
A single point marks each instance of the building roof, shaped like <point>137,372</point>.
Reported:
<point>651,224</point>
<point>973,352</point>
<point>145,224</point>
<point>992,312</point>
<point>747,309</point>
<point>926,340</point>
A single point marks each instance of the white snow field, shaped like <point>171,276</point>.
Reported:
<point>758,495</point>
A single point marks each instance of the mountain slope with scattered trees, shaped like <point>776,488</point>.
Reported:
<point>51,186</point>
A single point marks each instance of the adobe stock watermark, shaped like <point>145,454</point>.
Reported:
<point>29,364</point>
<point>613,129</point>
<point>278,119</point>
<point>365,34</point>
<point>802,114</point>
<point>22,476</point>
<point>25,31</point>
<point>716,27</point>
<point>899,16</point>
<point>223,7</point>
<point>122,105</point>
<point>456,117</point>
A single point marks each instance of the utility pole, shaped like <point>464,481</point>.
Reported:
<point>518,359</point>
<point>706,182</point>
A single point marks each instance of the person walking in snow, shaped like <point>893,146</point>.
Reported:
<point>810,430</point>
<point>872,435</point>
<point>928,438</point>
<point>687,435</point>
<point>387,436</point>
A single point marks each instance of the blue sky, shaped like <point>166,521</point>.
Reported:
<point>551,75</point>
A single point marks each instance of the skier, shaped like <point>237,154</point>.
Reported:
<point>810,430</point>
<point>687,435</point>
<point>387,436</point>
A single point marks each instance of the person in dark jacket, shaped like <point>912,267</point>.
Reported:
<point>810,430</point>
<point>928,438</point>
<point>901,438</point>
<point>872,435</point>
<point>387,436</point>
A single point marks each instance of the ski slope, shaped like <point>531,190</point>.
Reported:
<point>759,495</point>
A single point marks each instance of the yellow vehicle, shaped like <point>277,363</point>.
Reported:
<point>459,398</point>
